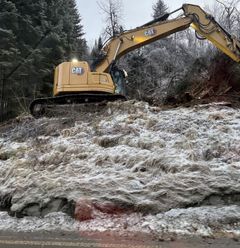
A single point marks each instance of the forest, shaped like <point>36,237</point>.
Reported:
<point>35,37</point>
<point>38,35</point>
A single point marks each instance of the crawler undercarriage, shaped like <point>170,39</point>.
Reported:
<point>45,106</point>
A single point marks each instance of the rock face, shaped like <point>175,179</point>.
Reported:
<point>122,158</point>
<point>41,210</point>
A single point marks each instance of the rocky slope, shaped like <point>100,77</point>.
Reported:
<point>124,166</point>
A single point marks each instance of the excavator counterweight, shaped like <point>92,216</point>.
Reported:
<point>74,82</point>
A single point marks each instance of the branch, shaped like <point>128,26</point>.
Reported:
<point>222,3</point>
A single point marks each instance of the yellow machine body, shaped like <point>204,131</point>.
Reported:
<point>76,77</point>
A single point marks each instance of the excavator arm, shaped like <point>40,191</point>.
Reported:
<point>207,27</point>
<point>204,24</point>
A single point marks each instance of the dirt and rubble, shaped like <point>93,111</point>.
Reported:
<point>127,167</point>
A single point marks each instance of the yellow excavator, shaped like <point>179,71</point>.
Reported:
<point>75,82</point>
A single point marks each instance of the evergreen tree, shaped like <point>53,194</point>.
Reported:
<point>160,65</point>
<point>8,52</point>
<point>96,48</point>
<point>136,62</point>
<point>37,36</point>
<point>96,52</point>
<point>146,67</point>
<point>8,44</point>
<point>159,9</point>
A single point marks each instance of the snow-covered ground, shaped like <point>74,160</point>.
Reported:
<point>160,171</point>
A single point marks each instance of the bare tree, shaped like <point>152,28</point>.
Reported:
<point>112,9</point>
<point>230,14</point>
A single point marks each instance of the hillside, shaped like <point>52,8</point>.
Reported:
<point>123,166</point>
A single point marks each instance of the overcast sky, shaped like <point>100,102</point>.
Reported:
<point>135,13</point>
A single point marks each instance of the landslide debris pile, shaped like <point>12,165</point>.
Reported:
<point>170,166</point>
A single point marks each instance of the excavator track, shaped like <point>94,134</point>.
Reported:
<point>42,106</point>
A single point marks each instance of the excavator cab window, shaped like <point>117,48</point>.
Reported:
<point>119,79</point>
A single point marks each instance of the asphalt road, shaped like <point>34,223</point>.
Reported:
<point>55,240</point>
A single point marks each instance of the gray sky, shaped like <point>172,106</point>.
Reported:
<point>135,13</point>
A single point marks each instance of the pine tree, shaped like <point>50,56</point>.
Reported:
<point>9,52</point>
<point>8,26</point>
<point>76,45</point>
<point>37,35</point>
<point>96,48</point>
<point>144,69</point>
<point>159,9</point>
<point>136,66</point>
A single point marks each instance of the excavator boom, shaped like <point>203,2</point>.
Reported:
<point>194,16</point>
<point>133,39</point>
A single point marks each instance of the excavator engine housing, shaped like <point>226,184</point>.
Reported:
<point>76,77</point>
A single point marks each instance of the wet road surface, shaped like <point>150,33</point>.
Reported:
<point>56,240</point>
